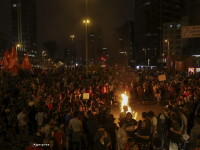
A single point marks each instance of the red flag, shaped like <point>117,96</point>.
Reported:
<point>26,64</point>
<point>13,63</point>
<point>6,60</point>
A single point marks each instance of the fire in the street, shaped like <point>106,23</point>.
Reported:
<point>124,102</point>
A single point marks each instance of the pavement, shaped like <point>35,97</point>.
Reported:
<point>141,106</point>
<point>138,106</point>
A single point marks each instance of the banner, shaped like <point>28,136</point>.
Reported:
<point>162,77</point>
<point>190,31</point>
<point>6,60</point>
<point>13,63</point>
<point>86,96</point>
<point>26,64</point>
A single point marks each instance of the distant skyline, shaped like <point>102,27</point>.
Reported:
<point>56,20</point>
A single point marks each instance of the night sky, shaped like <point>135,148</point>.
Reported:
<point>57,19</point>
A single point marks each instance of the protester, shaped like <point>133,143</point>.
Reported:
<point>100,143</point>
<point>195,134</point>
<point>122,138</point>
<point>49,103</point>
<point>144,136</point>
<point>77,130</point>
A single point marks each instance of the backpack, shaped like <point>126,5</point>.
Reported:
<point>163,122</point>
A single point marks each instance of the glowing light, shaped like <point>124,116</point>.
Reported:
<point>124,102</point>
<point>166,41</point>
<point>86,21</point>
<point>18,45</point>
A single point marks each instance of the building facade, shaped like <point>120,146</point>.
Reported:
<point>95,44</point>
<point>124,42</point>
<point>24,29</point>
<point>149,18</point>
<point>172,38</point>
<point>193,14</point>
<point>3,44</point>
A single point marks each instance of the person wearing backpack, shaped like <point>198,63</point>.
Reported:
<point>195,134</point>
<point>163,121</point>
<point>154,122</point>
<point>175,132</point>
<point>163,126</point>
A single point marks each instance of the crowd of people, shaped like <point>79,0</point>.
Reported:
<point>47,109</point>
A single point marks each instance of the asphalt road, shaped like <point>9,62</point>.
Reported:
<point>140,107</point>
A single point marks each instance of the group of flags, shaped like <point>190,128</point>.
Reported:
<point>10,61</point>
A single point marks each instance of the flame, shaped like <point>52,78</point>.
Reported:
<point>124,102</point>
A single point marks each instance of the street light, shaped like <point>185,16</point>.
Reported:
<point>145,55</point>
<point>86,22</point>
<point>43,55</point>
<point>72,37</point>
<point>163,58</point>
<point>18,45</point>
<point>167,41</point>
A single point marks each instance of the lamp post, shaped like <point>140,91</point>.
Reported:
<point>86,22</point>
<point>72,37</point>
<point>145,55</point>
<point>168,53</point>
<point>167,41</point>
<point>86,7</point>
<point>17,46</point>
<point>163,59</point>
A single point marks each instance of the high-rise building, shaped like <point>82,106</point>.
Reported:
<point>172,34</point>
<point>124,38</point>
<point>95,44</point>
<point>149,18</point>
<point>193,14</point>
<point>24,31</point>
<point>3,44</point>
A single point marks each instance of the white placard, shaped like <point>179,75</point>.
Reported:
<point>162,77</point>
<point>86,95</point>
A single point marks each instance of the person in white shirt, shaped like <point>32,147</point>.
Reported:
<point>121,136</point>
<point>22,118</point>
<point>40,117</point>
<point>75,125</point>
<point>22,121</point>
<point>154,122</point>
<point>183,121</point>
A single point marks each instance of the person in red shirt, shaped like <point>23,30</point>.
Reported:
<point>59,135</point>
<point>90,91</point>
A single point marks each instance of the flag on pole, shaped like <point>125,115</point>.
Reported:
<point>6,60</point>
<point>26,64</point>
<point>13,63</point>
